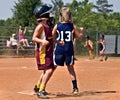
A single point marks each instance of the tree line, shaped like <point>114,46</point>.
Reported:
<point>99,16</point>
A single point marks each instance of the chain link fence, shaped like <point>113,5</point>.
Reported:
<point>112,42</point>
<point>112,38</point>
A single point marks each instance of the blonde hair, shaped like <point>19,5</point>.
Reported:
<point>65,15</point>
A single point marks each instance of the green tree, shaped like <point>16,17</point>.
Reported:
<point>57,6</point>
<point>2,22</point>
<point>82,14</point>
<point>115,17</point>
<point>6,27</point>
<point>23,12</point>
<point>103,6</point>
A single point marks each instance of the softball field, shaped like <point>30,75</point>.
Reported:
<point>96,80</point>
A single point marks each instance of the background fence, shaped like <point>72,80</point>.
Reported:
<point>112,38</point>
<point>112,42</point>
<point>16,51</point>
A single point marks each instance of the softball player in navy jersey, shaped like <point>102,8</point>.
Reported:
<point>63,33</point>
<point>102,46</point>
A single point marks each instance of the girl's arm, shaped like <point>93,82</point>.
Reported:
<point>54,31</point>
<point>85,44</point>
<point>104,42</point>
<point>91,44</point>
<point>37,33</point>
<point>25,30</point>
<point>77,33</point>
<point>54,34</point>
<point>19,29</point>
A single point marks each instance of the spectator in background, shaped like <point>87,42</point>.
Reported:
<point>14,42</point>
<point>8,42</point>
<point>21,36</point>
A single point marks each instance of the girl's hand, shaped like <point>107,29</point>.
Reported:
<point>45,42</point>
<point>102,52</point>
<point>62,43</point>
<point>81,29</point>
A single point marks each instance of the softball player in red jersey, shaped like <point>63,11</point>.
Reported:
<point>44,48</point>
<point>89,45</point>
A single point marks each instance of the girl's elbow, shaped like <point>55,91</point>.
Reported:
<point>33,39</point>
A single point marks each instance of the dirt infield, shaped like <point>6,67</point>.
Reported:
<point>96,80</point>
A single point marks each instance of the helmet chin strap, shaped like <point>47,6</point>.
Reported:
<point>39,19</point>
<point>51,21</point>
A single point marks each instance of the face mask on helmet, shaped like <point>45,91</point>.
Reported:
<point>51,20</point>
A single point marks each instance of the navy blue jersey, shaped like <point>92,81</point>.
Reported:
<point>65,33</point>
<point>101,45</point>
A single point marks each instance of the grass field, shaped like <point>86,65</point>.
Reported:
<point>96,80</point>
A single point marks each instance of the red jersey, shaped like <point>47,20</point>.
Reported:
<point>44,53</point>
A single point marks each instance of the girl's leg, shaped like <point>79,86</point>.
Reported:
<point>37,86</point>
<point>73,78</point>
<point>91,55</point>
<point>46,76</point>
<point>40,80</point>
<point>26,42</point>
<point>101,55</point>
<point>71,72</point>
<point>23,41</point>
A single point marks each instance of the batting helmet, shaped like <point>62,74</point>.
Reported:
<point>42,11</point>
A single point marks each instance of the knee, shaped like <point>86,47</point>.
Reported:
<point>26,40</point>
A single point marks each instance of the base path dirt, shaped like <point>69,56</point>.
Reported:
<point>96,80</point>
